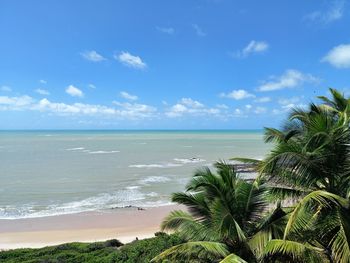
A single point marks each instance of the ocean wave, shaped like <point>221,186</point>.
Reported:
<point>82,149</point>
<point>189,160</point>
<point>152,194</point>
<point>166,165</point>
<point>105,201</point>
<point>132,187</point>
<point>75,149</point>
<point>179,162</point>
<point>102,152</point>
<point>154,179</point>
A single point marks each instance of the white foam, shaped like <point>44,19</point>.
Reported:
<point>166,165</point>
<point>75,149</point>
<point>133,187</point>
<point>119,198</point>
<point>82,149</point>
<point>189,160</point>
<point>156,203</point>
<point>152,194</point>
<point>102,152</point>
<point>154,179</point>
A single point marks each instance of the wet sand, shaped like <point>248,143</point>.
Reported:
<point>124,224</point>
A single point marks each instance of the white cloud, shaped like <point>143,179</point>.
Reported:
<point>238,112</point>
<point>176,110</point>
<point>335,11</point>
<point>191,103</point>
<point>339,56</point>
<point>42,91</point>
<point>76,108</point>
<point>128,96</point>
<point>277,111</point>
<point>260,110</point>
<point>130,60</point>
<point>74,91</point>
<point>6,88</point>
<point>188,106</point>
<point>15,103</point>
<point>128,111</point>
<point>289,79</point>
<point>289,106</point>
<point>252,47</point>
<point>92,86</point>
<point>255,47</point>
<point>135,110</point>
<point>222,106</point>
<point>248,106</point>
<point>237,94</point>
<point>199,31</point>
<point>286,101</point>
<point>92,56</point>
<point>263,99</point>
<point>166,30</point>
<point>289,103</point>
<point>42,81</point>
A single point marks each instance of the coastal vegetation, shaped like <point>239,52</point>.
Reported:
<point>111,251</point>
<point>305,179</point>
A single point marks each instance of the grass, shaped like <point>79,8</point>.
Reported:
<point>99,252</point>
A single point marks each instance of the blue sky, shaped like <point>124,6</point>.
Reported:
<point>201,64</point>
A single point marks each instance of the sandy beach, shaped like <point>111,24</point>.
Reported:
<point>124,224</point>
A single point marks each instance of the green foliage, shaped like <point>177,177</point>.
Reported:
<point>225,219</point>
<point>308,169</point>
<point>99,252</point>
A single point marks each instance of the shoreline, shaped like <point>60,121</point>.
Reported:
<point>123,224</point>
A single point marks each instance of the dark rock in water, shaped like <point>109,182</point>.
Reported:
<point>128,206</point>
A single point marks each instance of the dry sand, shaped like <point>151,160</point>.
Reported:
<point>124,224</point>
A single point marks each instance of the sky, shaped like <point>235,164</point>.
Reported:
<point>160,64</point>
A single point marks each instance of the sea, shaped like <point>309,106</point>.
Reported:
<point>47,173</point>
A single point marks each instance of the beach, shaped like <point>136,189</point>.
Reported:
<point>65,186</point>
<point>124,224</point>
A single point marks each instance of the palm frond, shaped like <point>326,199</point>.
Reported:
<point>298,252</point>
<point>197,249</point>
<point>233,258</point>
<point>300,218</point>
<point>341,240</point>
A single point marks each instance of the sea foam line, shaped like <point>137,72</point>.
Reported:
<point>155,179</point>
<point>121,198</point>
<point>167,165</point>
<point>189,160</point>
<point>82,149</point>
<point>102,152</point>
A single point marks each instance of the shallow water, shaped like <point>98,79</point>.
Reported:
<point>58,172</point>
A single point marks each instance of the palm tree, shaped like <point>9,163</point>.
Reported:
<point>307,174</point>
<point>228,219</point>
<point>310,163</point>
<point>338,103</point>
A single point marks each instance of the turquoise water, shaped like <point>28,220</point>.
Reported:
<point>59,172</point>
